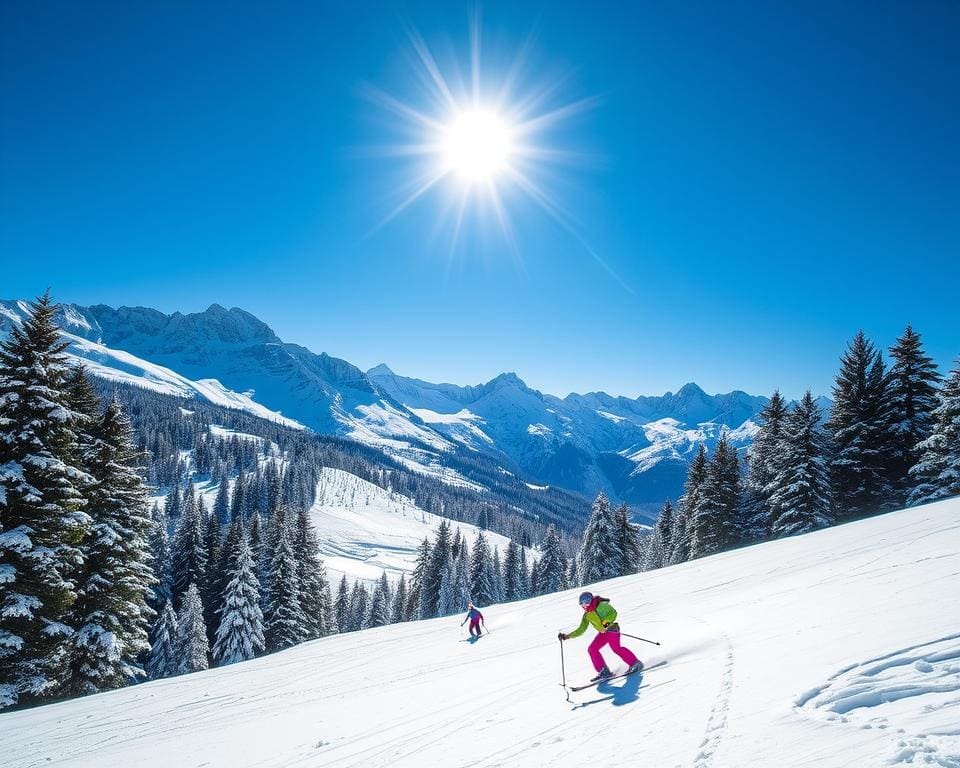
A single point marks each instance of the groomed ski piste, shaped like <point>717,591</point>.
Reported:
<point>838,648</point>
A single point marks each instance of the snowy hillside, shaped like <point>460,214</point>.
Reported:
<point>366,530</point>
<point>836,649</point>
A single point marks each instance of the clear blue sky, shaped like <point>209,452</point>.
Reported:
<point>765,179</point>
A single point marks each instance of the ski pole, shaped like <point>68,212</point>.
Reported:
<point>643,639</point>
<point>563,666</point>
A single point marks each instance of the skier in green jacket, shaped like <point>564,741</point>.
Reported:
<point>598,613</point>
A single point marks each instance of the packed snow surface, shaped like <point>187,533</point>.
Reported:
<point>365,530</point>
<point>831,650</point>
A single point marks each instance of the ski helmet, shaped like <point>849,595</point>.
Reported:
<point>586,598</point>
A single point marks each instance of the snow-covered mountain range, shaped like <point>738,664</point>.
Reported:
<point>636,449</point>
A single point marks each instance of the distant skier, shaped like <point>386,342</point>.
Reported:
<point>474,617</point>
<point>598,612</point>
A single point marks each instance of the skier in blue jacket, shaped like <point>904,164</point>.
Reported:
<point>474,617</point>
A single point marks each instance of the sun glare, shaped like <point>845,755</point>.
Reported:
<point>476,145</point>
<point>481,142</point>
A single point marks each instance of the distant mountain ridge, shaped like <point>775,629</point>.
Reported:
<point>636,449</point>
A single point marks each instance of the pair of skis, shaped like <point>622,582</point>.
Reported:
<point>640,671</point>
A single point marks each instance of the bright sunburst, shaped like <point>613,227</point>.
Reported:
<point>477,145</point>
<point>476,142</point>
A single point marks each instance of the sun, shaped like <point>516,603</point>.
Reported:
<point>476,145</point>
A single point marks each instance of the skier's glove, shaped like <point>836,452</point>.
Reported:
<point>561,636</point>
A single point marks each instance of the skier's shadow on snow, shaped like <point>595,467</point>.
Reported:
<point>625,693</point>
<point>472,639</point>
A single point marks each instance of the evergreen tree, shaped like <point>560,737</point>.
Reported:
<point>341,606</point>
<point>221,506</point>
<point>111,612</point>
<point>312,576</point>
<point>861,433</point>
<point>41,519</point>
<point>188,557</point>
<point>482,585</point>
<point>163,660</point>
<point>285,622</point>
<point>172,504</point>
<point>438,565</point>
<point>913,398</point>
<point>573,574</point>
<point>359,603</point>
<point>460,589</point>
<point>718,526</point>
<point>192,648</point>
<point>552,565</point>
<point>416,580</point>
<point>496,576</point>
<point>379,610</point>
<point>628,541</point>
<point>762,461</point>
<point>240,630</point>
<point>399,612</point>
<point>690,503</point>
<point>512,577</point>
<point>214,579</point>
<point>160,554</point>
<point>660,547</point>
<point>237,502</point>
<point>600,557</point>
<point>937,472</point>
<point>800,492</point>
<point>446,600</point>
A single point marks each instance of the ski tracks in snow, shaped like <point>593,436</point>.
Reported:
<point>717,721</point>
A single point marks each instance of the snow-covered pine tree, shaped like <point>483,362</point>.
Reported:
<point>482,585</point>
<point>718,525</point>
<point>221,506</point>
<point>512,577</point>
<point>416,580</point>
<point>628,541</point>
<point>861,433</point>
<point>255,539</point>
<point>240,629</point>
<point>312,576</point>
<point>689,507</point>
<point>111,615</point>
<point>913,383</point>
<point>163,660</point>
<point>937,473</point>
<point>551,568</point>
<point>436,568</point>
<point>573,573</point>
<point>42,521</point>
<point>214,579</point>
<point>160,554</point>
<point>359,606</point>
<point>800,491</point>
<point>237,501</point>
<point>600,557</point>
<point>460,592</point>
<point>379,609</point>
<point>341,606</point>
<point>399,611</point>
<point>285,622</point>
<point>172,504</point>
<point>192,648</point>
<point>660,547</point>
<point>496,576</point>
<point>188,556</point>
<point>762,461</point>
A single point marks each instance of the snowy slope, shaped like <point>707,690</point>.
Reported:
<point>838,649</point>
<point>365,530</point>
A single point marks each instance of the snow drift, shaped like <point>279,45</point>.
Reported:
<point>838,648</point>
